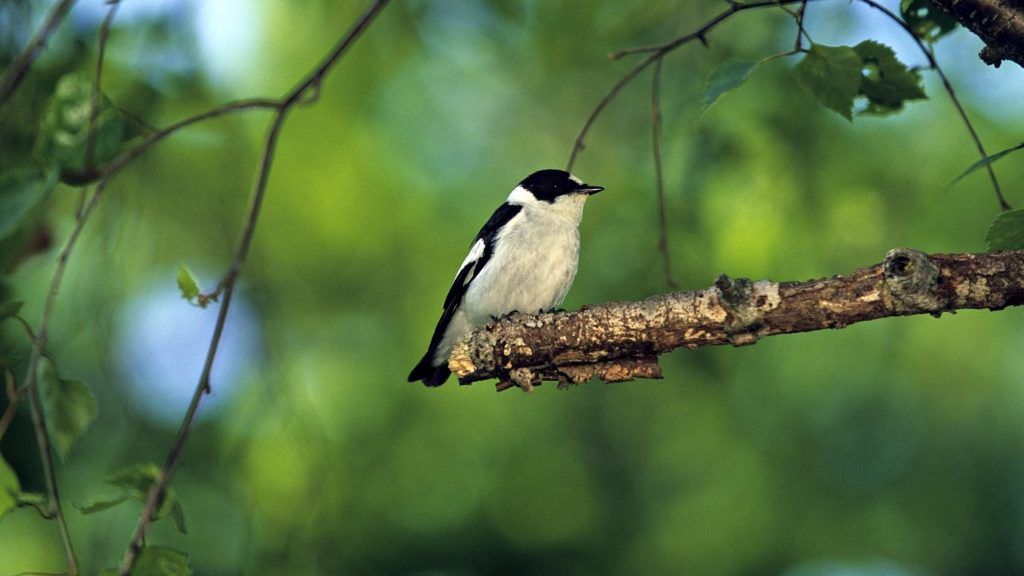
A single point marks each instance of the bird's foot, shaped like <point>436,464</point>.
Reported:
<point>503,316</point>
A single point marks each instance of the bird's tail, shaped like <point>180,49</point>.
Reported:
<point>430,375</point>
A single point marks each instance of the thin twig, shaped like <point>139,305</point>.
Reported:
<point>136,119</point>
<point>11,80</point>
<point>9,413</point>
<point>16,72</point>
<point>39,342</point>
<point>97,83</point>
<point>657,52</point>
<point>666,261</point>
<point>109,171</point>
<point>311,82</point>
<point>52,490</point>
<point>1003,204</point>
<point>14,397</point>
<point>800,32</point>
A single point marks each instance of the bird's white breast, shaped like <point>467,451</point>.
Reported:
<point>533,264</point>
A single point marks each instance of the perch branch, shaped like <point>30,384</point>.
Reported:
<point>999,23</point>
<point>621,340</point>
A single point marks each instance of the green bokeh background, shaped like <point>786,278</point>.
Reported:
<point>891,447</point>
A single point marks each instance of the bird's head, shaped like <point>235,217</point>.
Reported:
<point>552,186</point>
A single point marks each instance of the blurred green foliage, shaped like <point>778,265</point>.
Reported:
<point>892,447</point>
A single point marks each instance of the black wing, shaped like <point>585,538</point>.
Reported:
<point>469,270</point>
<point>473,266</point>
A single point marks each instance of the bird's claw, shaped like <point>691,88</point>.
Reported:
<point>503,316</point>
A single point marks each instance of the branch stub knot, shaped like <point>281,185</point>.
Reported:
<point>911,279</point>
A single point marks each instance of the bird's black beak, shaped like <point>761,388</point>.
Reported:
<point>590,190</point>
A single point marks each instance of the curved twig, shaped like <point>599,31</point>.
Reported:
<point>306,87</point>
<point>658,51</point>
<point>948,86</point>
<point>16,72</point>
<point>659,175</point>
<point>42,335</point>
<point>97,83</point>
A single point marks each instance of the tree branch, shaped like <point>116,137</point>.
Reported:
<point>999,23</point>
<point>15,73</point>
<point>621,340</point>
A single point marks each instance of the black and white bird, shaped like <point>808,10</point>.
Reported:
<point>523,260</point>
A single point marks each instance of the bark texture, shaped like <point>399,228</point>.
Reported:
<point>1000,23</point>
<point>621,340</point>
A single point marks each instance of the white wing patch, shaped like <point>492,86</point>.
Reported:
<point>474,254</point>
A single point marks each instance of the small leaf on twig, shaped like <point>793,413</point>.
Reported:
<point>64,130</point>
<point>730,74</point>
<point>8,309</point>
<point>928,22</point>
<point>987,160</point>
<point>21,193</point>
<point>187,284</point>
<point>68,404</point>
<point>886,82</point>
<point>100,505</point>
<point>162,561</point>
<point>1007,231</point>
<point>136,481</point>
<point>832,74</point>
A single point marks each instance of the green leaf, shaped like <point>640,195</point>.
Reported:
<point>22,192</point>
<point>9,488</point>
<point>730,74</point>
<point>927,21</point>
<point>69,406</point>
<point>187,283</point>
<point>177,514</point>
<point>832,74</point>
<point>987,160</point>
<point>8,309</point>
<point>100,505</point>
<point>885,81</point>
<point>1007,231</point>
<point>162,561</point>
<point>63,131</point>
<point>137,481</point>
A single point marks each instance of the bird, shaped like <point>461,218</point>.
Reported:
<point>524,260</point>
